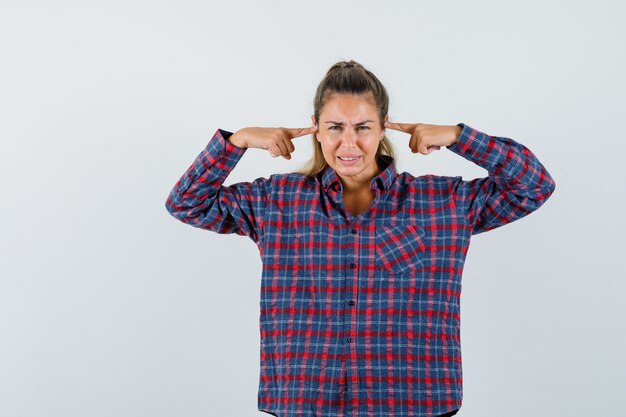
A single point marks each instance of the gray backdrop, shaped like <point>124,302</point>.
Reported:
<point>111,307</point>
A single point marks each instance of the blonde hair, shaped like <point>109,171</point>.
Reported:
<point>347,77</point>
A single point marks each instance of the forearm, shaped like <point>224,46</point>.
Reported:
<point>517,185</point>
<point>195,191</point>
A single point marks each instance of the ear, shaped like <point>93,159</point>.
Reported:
<point>386,120</point>
<point>315,123</point>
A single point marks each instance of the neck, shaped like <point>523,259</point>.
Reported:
<point>352,185</point>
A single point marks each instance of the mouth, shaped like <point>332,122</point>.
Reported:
<point>348,159</point>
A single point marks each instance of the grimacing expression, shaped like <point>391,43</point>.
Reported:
<point>349,132</point>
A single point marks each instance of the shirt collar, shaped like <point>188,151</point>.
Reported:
<point>382,181</point>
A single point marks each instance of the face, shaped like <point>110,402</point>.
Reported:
<point>349,131</point>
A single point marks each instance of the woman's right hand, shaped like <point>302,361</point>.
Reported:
<point>277,140</point>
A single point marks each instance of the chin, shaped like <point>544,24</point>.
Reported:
<point>349,171</point>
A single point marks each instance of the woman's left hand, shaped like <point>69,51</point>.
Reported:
<point>426,138</point>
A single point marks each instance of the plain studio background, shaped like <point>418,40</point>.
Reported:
<point>111,307</point>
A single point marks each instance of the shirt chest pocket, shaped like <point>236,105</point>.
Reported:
<point>400,249</point>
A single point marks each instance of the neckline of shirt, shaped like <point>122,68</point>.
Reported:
<point>382,181</point>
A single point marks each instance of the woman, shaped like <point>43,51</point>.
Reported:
<point>362,265</point>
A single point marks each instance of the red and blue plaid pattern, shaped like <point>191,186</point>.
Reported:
<point>359,316</point>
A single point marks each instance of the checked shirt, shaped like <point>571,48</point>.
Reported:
<point>359,315</point>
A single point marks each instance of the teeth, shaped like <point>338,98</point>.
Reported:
<point>347,159</point>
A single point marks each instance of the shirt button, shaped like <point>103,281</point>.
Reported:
<point>351,302</point>
<point>352,266</point>
<point>349,340</point>
<point>354,231</point>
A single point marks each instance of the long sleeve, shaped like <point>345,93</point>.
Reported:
<point>200,200</point>
<point>517,185</point>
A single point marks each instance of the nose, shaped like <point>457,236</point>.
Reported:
<point>348,139</point>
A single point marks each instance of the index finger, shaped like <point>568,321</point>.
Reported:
<point>301,131</point>
<point>402,127</point>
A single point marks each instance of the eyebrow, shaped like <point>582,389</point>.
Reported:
<point>356,124</point>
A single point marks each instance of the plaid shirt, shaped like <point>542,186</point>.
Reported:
<point>359,316</point>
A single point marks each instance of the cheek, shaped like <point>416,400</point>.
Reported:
<point>328,144</point>
<point>372,142</point>
<point>325,148</point>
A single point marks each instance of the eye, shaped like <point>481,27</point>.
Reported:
<point>358,127</point>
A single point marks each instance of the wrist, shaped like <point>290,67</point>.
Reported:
<point>237,140</point>
<point>457,132</point>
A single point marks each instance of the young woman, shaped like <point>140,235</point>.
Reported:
<point>362,265</point>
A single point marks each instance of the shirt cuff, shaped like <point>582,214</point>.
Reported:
<point>219,155</point>
<point>477,147</point>
<point>461,141</point>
